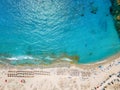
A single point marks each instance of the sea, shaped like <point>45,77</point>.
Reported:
<point>44,31</point>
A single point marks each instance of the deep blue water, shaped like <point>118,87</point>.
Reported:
<point>35,31</point>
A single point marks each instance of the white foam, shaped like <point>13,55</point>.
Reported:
<point>49,58</point>
<point>20,58</point>
<point>66,59</point>
<point>13,58</point>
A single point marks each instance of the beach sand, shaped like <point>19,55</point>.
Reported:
<point>62,76</point>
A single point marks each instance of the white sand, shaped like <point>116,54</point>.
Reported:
<point>59,76</point>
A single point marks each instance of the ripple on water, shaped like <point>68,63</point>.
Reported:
<point>42,31</point>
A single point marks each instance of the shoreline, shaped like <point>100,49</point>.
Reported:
<point>61,76</point>
<point>64,64</point>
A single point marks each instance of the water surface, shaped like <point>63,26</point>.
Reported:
<point>37,31</point>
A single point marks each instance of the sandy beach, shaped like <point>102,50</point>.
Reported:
<point>103,75</point>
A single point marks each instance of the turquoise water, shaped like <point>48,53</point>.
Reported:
<point>41,31</point>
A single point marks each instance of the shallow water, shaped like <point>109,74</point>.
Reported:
<point>37,31</point>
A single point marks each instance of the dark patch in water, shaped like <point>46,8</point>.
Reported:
<point>93,32</point>
<point>86,45</point>
<point>103,25</point>
<point>90,53</point>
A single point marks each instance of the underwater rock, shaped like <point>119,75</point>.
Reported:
<point>94,10</point>
<point>115,11</point>
<point>118,18</point>
<point>118,2</point>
